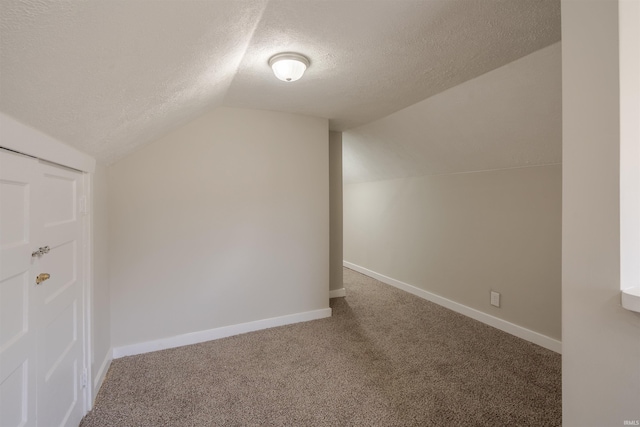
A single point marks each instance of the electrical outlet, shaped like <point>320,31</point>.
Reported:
<point>495,298</point>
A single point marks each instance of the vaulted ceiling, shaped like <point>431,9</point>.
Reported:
<point>110,76</point>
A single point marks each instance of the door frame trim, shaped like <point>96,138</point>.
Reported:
<point>87,288</point>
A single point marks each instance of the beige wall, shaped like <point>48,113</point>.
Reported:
<point>100,299</point>
<point>224,221</point>
<point>601,340</point>
<point>461,235</point>
<point>460,194</point>
<point>335,205</point>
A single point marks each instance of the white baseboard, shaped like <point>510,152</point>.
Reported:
<point>511,328</point>
<point>98,379</point>
<point>337,293</point>
<point>217,333</point>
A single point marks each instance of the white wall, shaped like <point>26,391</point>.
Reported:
<point>100,299</point>
<point>601,340</point>
<point>460,194</point>
<point>22,138</point>
<point>460,236</point>
<point>223,221</point>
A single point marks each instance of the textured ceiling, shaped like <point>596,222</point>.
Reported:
<point>109,76</point>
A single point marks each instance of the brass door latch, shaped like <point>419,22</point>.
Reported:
<point>42,277</point>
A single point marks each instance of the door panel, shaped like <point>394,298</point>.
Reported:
<point>13,309</point>
<point>60,369</point>
<point>60,340</point>
<point>59,195</point>
<point>59,298</point>
<point>13,391</point>
<point>14,227</point>
<point>17,329</point>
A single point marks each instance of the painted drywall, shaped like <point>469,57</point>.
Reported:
<point>222,222</point>
<point>25,139</point>
<point>460,236</point>
<point>335,206</point>
<point>509,117</point>
<point>601,340</point>
<point>415,210</point>
<point>100,300</point>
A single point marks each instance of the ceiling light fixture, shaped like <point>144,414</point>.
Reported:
<point>289,66</point>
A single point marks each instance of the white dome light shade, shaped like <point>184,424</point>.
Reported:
<point>288,67</point>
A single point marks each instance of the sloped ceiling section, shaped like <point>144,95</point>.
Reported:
<point>109,76</point>
<point>507,118</point>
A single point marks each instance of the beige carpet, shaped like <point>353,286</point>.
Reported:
<point>385,358</point>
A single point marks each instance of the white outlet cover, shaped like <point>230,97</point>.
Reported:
<point>495,298</point>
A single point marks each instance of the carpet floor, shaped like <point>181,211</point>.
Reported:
<point>385,358</point>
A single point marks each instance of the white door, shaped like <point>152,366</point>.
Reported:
<point>17,330</point>
<point>59,299</point>
<point>50,390</point>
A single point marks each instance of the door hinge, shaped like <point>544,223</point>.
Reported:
<point>84,205</point>
<point>84,378</point>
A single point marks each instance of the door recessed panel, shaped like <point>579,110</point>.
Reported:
<point>60,358</point>
<point>61,394</point>
<point>14,213</point>
<point>59,193</point>
<point>13,390</point>
<point>59,337</point>
<point>13,309</point>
